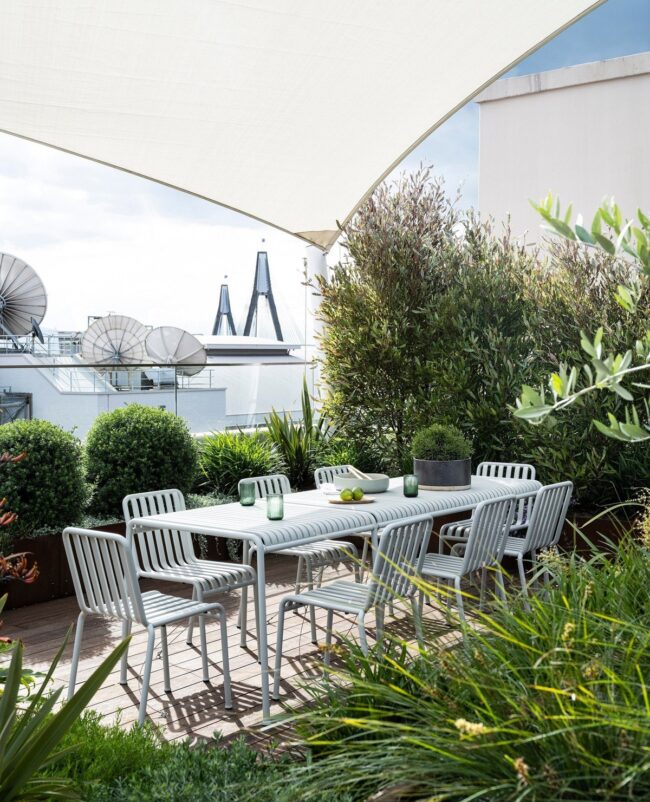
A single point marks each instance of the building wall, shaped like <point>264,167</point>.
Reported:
<point>581,132</point>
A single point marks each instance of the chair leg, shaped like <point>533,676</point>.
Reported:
<point>459,600</point>
<point>312,611</point>
<point>522,578</point>
<point>327,654</point>
<point>204,649</point>
<point>362,633</point>
<point>225,660</point>
<point>278,651</point>
<point>500,584</point>
<point>165,658</point>
<point>126,631</point>
<point>76,651</point>
<point>417,619</point>
<point>197,595</point>
<point>299,570</point>
<point>483,588</point>
<point>146,675</point>
<point>380,616</point>
<point>364,557</point>
<point>257,618</point>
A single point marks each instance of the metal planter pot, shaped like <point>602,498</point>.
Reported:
<point>455,474</point>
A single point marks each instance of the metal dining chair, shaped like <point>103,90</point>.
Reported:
<point>169,555</point>
<point>105,580</point>
<point>313,556</point>
<point>456,532</point>
<point>397,562</point>
<point>483,550</point>
<point>549,509</point>
<point>326,474</point>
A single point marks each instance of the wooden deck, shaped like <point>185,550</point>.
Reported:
<point>193,709</point>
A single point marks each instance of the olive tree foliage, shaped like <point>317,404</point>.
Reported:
<point>622,368</point>
<point>379,306</point>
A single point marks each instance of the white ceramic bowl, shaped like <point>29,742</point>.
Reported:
<point>378,482</point>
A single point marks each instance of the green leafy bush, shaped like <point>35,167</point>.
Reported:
<point>47,489</point>
<point>227,457</point>
<point>135,449</point>
<point>546,704</point>
<point>366,457</point>
<point>437,317</point>
<point>299,442</point>
<point>438,442</point>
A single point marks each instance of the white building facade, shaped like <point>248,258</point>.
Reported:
<point>581,132</point>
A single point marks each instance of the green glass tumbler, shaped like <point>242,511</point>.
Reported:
<point>275,507</point>
<point>410,485</point>
<point>247,494</point>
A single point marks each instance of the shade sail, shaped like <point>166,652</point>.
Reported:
<point>288,110</point>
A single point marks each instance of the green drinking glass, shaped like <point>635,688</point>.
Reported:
<point>410,485</point>
<point>275,507</point>
<point>247,494</point>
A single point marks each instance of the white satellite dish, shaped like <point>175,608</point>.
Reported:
<point>114,340</point>
<point>23,300</point>
<point>168,345</point>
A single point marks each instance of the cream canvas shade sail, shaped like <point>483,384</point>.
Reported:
<point>288,110</point>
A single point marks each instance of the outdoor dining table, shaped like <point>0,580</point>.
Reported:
<point>309,517</point>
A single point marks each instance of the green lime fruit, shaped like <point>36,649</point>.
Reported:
<point>346,495</point>
<point>357,493</point>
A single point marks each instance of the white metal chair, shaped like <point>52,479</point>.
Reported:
<point>484,548</point>
<point>397,561</point>
<point>326,474</point>
<point>456,533</point>
<point>313,556</point>
<point>169,555</point>
<point>549,509</point>
<point>106,583</point>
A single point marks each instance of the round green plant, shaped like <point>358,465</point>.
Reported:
<point>438,442</point>
<point>135,449</point>
<point>227,457</point>
<point>47,489</point>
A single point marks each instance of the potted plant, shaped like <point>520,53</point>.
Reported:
<point>441,458</point>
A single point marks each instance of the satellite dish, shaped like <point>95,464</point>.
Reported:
<point>168,345</point>
<point>22,296</point>
<point>114,340</point>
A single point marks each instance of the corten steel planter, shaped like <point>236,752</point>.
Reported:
<point>455,474</point>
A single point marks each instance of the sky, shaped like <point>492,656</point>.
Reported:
<point>105,241</point>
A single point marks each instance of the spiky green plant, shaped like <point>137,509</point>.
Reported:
<point>550,703</point>
<point>227,457</point>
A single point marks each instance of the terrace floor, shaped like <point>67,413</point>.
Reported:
<point>193,709</point>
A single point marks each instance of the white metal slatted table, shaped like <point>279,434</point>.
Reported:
<point>309,517</point>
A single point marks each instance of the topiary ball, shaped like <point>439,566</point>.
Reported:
<point>47,489</point>
<point>136,449</point>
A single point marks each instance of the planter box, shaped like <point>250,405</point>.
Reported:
<point>455,474</point>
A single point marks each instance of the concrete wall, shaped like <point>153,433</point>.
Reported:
<point>581,132</point>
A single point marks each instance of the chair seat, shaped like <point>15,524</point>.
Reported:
<point>445,566</point>
<point>209,575</point>
<point>160,608</point>
<point>348,597</point>
<point>515,546</point>
<point>325,552</point>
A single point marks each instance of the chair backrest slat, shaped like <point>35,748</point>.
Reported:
<point>487,536</point>
<point>275,483</point>
<point>548,515</point>
<point>158,549</point>
<point>399,558</point>
<point>326,474</point>
<point>510,470</point>
<point>104,574</point>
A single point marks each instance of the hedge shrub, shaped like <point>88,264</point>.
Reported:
<point>135,449</point>
<point>47,489</point>
<point>227,457</point>
<point>438,442</point>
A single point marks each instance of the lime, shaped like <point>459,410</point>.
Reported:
<point>357,493</point>
<point>346,495</point>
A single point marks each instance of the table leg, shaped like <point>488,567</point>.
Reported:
<point>263,645</point>
<point>243,605</point>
